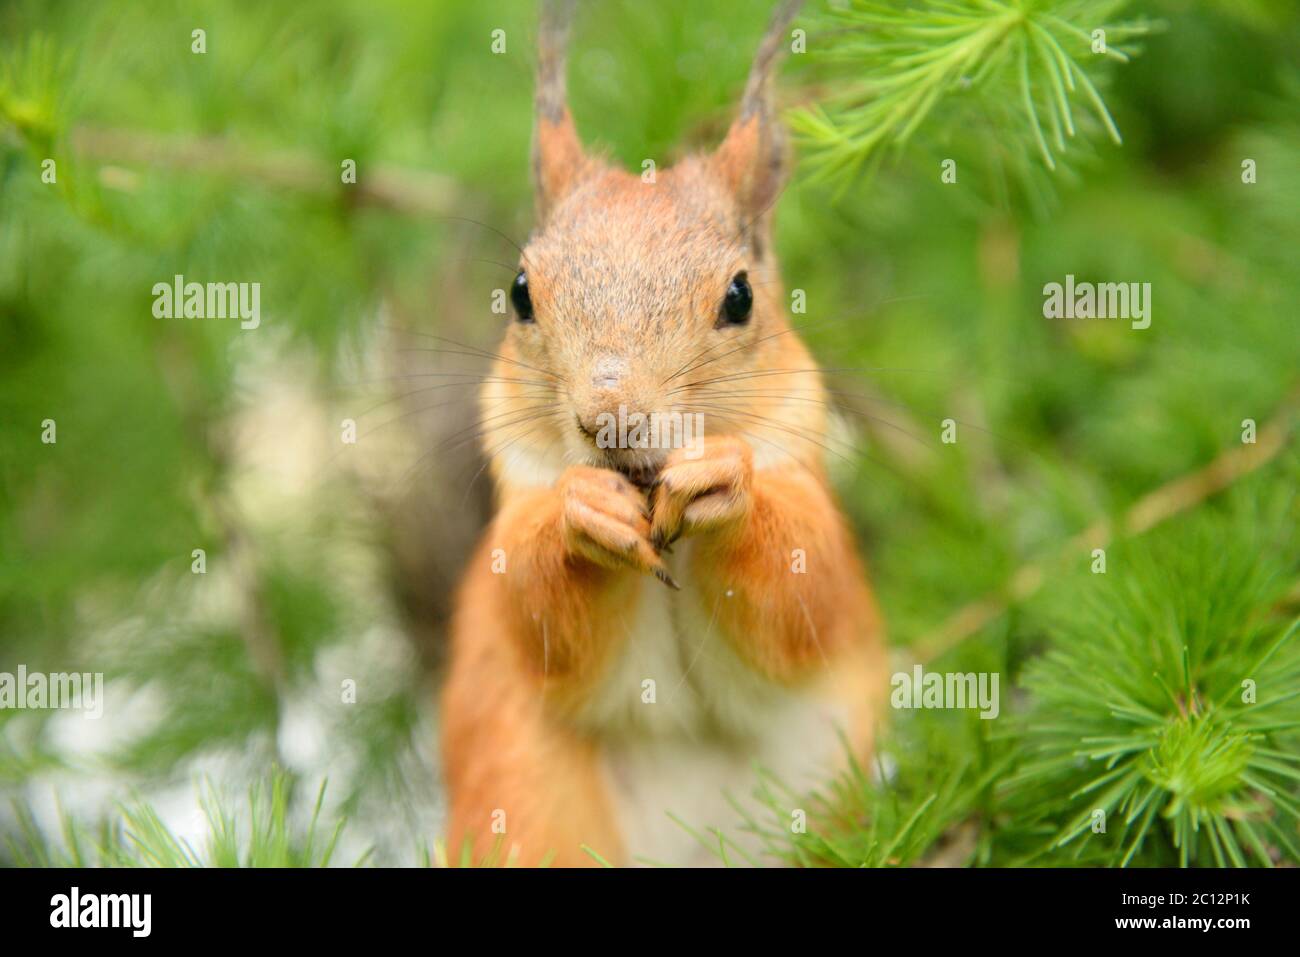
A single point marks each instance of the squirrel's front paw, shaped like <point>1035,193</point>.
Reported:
<point>701,491</point>
<point>605,521</point>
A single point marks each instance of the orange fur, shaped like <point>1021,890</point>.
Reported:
<point>541,729</point>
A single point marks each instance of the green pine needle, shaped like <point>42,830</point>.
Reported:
<point>1209,770</point>
<point>896,68</point>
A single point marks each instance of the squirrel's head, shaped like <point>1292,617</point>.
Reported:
<point>644,294</point>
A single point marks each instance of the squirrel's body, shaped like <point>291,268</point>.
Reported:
<point>598,764</point>
<point>587,701</point>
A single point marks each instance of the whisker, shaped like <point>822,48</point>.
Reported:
<point>769,422</point>
<point>481,427</point>
<point>498,450</point>
<point>749,345</point>
<point>493,262</point>
<point>792,328</point>
<point>832,407</point>
<point>896,403</point>
<point>829,370</point>
<point>433,388</point>
<point>319,475</point>
<point>491,229</point>
<point>471,378</point>
<point>481,355</point>
<point>475,350</point>
<point>476,432</point>
<point>886,466</point>
<point>740,430</point>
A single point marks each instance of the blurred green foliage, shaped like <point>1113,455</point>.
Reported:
<point>924,303</point>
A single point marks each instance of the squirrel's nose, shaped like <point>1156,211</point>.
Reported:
<point>612,387</point>
<point>607,372</point>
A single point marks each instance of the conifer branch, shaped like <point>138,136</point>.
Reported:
<point>1176,496</point>
<point>900,68</point>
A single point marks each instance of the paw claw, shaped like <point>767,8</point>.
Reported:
<point>663,576</point>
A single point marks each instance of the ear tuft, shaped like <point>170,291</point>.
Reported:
<point>752,162</point>
<point>752,157</point>
<point>558,157</point>
<point>558,161</point>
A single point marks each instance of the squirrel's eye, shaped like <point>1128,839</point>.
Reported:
<point>519,296</point>
<point>738,302</point>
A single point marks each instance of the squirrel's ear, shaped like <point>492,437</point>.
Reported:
<point>558,158</point>
<point>752,157</point>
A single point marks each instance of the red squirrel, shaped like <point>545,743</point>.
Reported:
<point>644,623</point>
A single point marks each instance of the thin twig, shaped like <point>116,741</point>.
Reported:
<point>1168,500</point>
<point>411,192</point>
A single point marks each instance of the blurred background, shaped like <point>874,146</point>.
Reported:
<point>325,561</point>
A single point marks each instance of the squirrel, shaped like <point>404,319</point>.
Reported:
<point>645,623</point>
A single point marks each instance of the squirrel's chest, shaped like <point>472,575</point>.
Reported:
<point>682,723</point>
<point>672,671</point>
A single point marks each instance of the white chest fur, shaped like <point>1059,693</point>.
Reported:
<point>684,724</point>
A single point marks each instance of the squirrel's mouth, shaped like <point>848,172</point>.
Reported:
<point>639,464</point>
<point>640,474</point>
